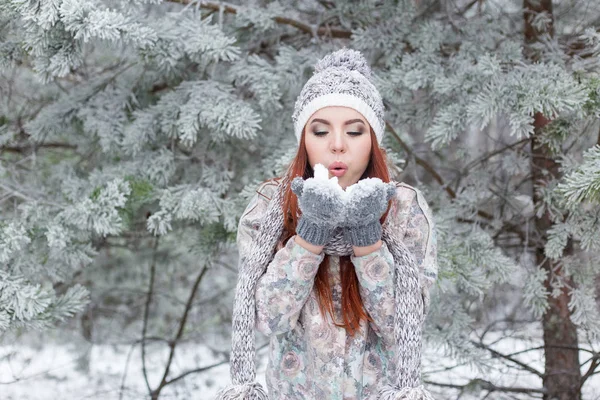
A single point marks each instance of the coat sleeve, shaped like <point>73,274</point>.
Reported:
<point>375,271</point>
<point>284,288</point>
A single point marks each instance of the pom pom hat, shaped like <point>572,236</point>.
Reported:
<point>341,78</point>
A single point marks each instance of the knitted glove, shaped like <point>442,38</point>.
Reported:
<point>366,202</point>
<point>321,202</point>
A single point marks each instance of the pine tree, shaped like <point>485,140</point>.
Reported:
<point>132,134</point>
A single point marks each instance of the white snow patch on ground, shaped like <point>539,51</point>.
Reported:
<point>74,370</point>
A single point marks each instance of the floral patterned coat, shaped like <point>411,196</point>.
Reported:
<point>310,357</point>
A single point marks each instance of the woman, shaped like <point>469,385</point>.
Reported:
<point>341,284</point>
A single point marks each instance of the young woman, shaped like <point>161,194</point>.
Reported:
<point>335,271</point>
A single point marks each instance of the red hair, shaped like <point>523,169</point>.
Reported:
<point>352,306</point>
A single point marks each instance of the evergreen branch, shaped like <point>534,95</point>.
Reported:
<point>306,28</point>
<point>487,385</point>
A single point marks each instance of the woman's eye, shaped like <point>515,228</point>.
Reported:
<point>322,133</point>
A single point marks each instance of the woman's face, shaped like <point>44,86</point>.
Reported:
<point>342,134</point>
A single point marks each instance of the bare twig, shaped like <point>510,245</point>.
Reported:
<point>423,163</point>
<point>591,370</point>
<point>125,372</point>
<point>203,369</point>
<point>147,312</point>
<point>486,385</point>
<point>23,149</point>
<point>507,226</point>
<point>173,343</point>
<point>509,358</point>
<point>487,156</point>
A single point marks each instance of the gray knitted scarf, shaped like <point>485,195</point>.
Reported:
<point>408,319</point>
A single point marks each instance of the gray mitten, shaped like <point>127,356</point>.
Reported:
<point>321,203</point>
<point>367,200</point>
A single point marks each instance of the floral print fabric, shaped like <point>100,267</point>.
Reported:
<point>310,357</point>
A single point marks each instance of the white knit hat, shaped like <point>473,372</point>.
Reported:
<point>341,78</point>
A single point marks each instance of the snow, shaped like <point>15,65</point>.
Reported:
<point>324,184</point>
<point>321,173</point>
<point>74,369</point>
<point>367,186</point>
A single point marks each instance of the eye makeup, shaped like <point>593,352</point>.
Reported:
<point>322,133</point>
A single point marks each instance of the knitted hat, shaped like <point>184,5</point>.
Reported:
<point>341,78</point>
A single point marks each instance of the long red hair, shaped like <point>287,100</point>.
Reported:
<point>352,306</point>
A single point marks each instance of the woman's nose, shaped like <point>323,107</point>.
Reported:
<point>338,141</point>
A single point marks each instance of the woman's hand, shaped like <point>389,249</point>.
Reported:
<point>322,204</point>
<point>366,202</point>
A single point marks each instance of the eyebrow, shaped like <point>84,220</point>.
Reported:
<point>324,121</point>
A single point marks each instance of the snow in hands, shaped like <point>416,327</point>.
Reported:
<point>331,185</point>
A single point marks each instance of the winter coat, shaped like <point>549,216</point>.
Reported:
<point>309,357</point>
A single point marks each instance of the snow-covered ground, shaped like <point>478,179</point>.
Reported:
<point>67,368</point>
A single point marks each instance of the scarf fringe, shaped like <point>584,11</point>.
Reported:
<point>245,391</point>
<point>405,393</point>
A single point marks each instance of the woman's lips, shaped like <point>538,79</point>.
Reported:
<point>337,164</point>
<point>338,172</point>
<point>338,168</point>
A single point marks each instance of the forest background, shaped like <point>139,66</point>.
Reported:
<point>133,133</point>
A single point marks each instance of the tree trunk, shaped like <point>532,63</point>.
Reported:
<point>562,375</point>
